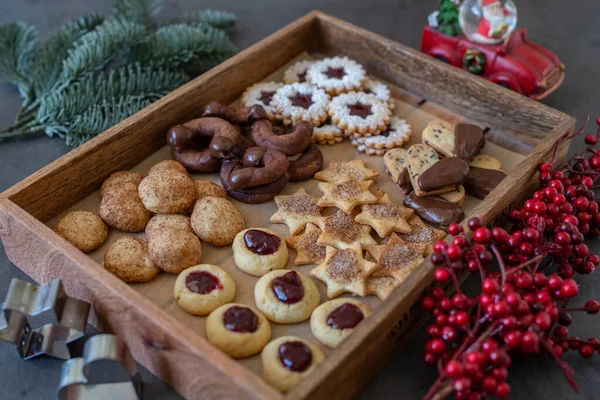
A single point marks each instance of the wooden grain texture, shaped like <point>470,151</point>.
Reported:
<point>169,348</point>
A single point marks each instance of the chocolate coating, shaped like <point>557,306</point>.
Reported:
<point>235,115</point>
<point>307,165</point>
<point>295,356</point>
<point>240,319</point>
<point>346,316</point>
<point>290,144</point>
<point>253,195</point>
<point>404,182</point>
<point>480,181</point>
<point>270,166</point>
<point>449,171</point>
<point>434,209</point>
<point>468,140</point>
<point>261,242</point>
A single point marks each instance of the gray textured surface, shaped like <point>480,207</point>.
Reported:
<point>568,28</point>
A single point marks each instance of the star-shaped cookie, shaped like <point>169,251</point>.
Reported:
<point>344,271</point>
<point>397,258</point>
<point>338,171</point>
<point>381,286</point>
<point>386,217</point>
<point>297,210</point>
<point>346,194</point>
<point>307,249</point>
<point>422,233</point>
<point>340,230</point>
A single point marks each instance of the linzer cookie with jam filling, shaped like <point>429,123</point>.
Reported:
<point>338,171</point>
<point>297,210</point>
<point>238,330</point>
<point>337,75</point>
<point>359,113</point>
<point>381,286</point>
<point>306,247</point>
<point>327,134</point>
<point>257,251</point>
<point>396,134</point>
<point>344,271</point>
<point>385,217</point>
<point>341,231</point>
<point>462,140</point>
<point>397,258</point>
<point>202,288</point>
<point>332,322</point>
<point>346,195</point>
<point>422,233</point>
<point>262,93</point>
<point>288,360</point>
<point>440,176</point>
<point>301,102</point>
<point>286,297</point>
<point>297,72</point>
<point>379,90</point>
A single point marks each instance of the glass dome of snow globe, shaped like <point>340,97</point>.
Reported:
<point>487,21</point>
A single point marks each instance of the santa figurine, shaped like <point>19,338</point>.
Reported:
<point>493,26</point>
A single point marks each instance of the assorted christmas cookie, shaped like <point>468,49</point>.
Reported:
<point>297,210</point>
<point>327,134</point>
<point>397,258</point>
<point>121,179</point>
<point>216,220</point>
<point>121,207</point>
<point>262,93</point>
<point>381,286</point>
<point>346,195</point>
<point>168,221</point>
<point>83,229</point>
<point>286,297</point>
<point>359,113</point>
<point>202,288</point>
<point>462,140</point>
<point>341,231</point>
<point>174,250</point>
<point>395,164</point>
<point>208,188</point>
<point>257,251</point>
<point>422,233</point>
<point>288,360</point>
<point>332,322</point>
<point>385,217</point>
<point>167,189</point>
<point>238,330</point>
<point>429,175</point>
<point>379,90</point>
<point>297,72</point>
<point>338,171</point>
<point>396,134</point>
<point>435,210</point>
<point>344,271</point>
<point>486,162</point>
<point>308,251</point>
<point>128,259</point>
<point>337,75</point>
<point>301,102</point>
<point>481,181</point>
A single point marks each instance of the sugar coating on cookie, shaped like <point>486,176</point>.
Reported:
<point>379,90</point>
<point>129,260</point>
<point>381,286</point>
<point>297,210</point>
<point>301,101</point>
<point>287,360</point>
<point>332,322</point>
<point>201,289</point>
<point>257,251</point>
<point>337,75</point>
<point>359,113</point>
<point>297,72</point>
<point>83,229</point>
<point>238,330</point>
<point>168,221</point>
<point>340,230</point>
<point>286,297</point>
<point>396,134</point>
<point>262,93</point>
<point>167,165</point>
<point>121,206</point>
<point>338,171</point>
<point>120,178</point>
<point>306,247</point>
<point>216,220</point>
<point>167,189</point>
<point>327,134</point>
<point>208,188</point>
<point>174,250</point>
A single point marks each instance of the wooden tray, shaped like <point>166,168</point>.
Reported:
<point>165,341</point>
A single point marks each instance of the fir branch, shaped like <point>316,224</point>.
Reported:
<point>96,49</point>
<point>221,46</point>
<point>140,11</point>
<point>18,42</point>
<point>216,18</point>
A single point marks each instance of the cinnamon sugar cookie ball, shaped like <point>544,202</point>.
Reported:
<point>216,221</point>
<point>83,229</point>
<point>167,165</point>
<point>121,206</point>
<point>208,188</point>
<point>119,179</point>
<point>168,221</point>
<point>128,259</point>
<point>174,250</point>
<point>167,189</point>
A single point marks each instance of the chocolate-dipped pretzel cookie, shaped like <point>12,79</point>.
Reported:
<point>252,195</point>
<point>235,115</point>
<point>290,144</point>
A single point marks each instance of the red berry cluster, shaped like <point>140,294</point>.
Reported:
<point>522,307</point>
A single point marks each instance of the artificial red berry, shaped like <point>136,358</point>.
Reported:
<point>569,288</point>
<point>454,229</point>
<point>482,235</point>
<point>441,275</point>
<point>437,293</point>
<point>439,246</point>
<point>454,369</point>
<point>561,332</point>
<point>591,140</point>
<point>490,286</point>
<point>592,307</point>
<point>544,167</point>
<point>474,224</point>
<point>436,346</point>
<point>454,252</point>
<point>586,350</point>
<point>543,320</point>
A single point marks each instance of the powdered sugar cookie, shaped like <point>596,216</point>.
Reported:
<point>380,90</point>
<point>396,134</point>
<point>262,93</point>
<point>327,134</point>
<point>301,101</point>
<point>337,75</point>
<point>297,72</point>
<point>359,113</point>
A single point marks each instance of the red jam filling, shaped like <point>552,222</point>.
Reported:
<point>295,356</point>
<point>346,316</point>
<point>336,73</point>
<point>388,130</point>
<point>266,96</point>
<point>240,319</point>
<point>302,77</point>
<point>360,109</point>
<point>202,282</point>
<point>288,288</point>
<point>261,243</point>
<point>302,100</point>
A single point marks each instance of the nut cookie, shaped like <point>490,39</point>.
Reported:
<point>168,221</point>
<point>262,93</point>
<point>332,322</point>
<point>174,250</point>
<point>359,113</point>
<point>257,251</point>
<point>301,102</point>
<point>121,206</point>
<point>167,165</point>
<point>216,220</point>
<point>120,178</point>
<point>208,188</point>
<point>83,229</point>
<point>337,75</point>
<point>167,189</point>
<point>201,289</point>
<point>286,297</point>
<point>128,259</point>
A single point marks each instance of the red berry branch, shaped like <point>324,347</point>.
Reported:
<point>524,306</point>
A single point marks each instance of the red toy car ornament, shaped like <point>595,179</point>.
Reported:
<point>515,63</point>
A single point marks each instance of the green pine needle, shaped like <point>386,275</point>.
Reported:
<point>216,18</point>
<point>18,42</point>
<point>140,11</point>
